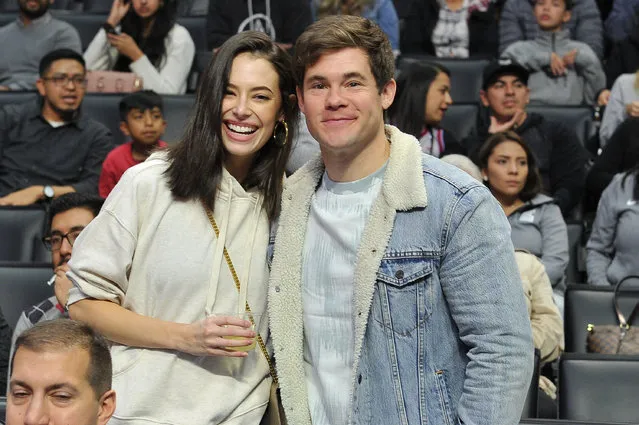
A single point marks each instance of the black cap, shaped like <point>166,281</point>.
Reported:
<point>503,66</point>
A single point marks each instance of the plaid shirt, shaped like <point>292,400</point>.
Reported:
<point>450,35</point>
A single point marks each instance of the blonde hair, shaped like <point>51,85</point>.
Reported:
<point>344,7</point>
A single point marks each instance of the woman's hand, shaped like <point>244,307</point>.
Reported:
<point>632,109</point>
<point>62,284</point>
<point>126,46</point>
<point>206,337</point>
<point>118,10</point>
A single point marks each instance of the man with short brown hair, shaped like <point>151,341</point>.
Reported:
<point>60,373</point>
<point>394,294</point>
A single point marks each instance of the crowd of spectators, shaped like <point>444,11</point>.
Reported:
<point>545,52</point>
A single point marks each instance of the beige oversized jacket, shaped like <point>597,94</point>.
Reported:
<point>547,324</point>
<point>160,258</point>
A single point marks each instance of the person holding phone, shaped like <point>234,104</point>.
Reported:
<point>150,272</point>
<point>141,36</point>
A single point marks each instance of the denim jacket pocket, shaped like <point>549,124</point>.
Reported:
<point>444,397</point>
<point>404,293</point>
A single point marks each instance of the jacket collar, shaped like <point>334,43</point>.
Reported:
<point>404,150</point>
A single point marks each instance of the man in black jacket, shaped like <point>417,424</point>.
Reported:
<point>282,20</point>
<point>560,157</point>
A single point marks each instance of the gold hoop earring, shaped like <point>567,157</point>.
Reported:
<point>280,141</point>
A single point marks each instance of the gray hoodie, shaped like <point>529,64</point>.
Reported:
<point>539,228</point>
<point>581,83</point>
<point>614,242</point>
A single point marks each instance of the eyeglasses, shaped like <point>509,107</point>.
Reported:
<point>54,242</point>
<point>63,80</point>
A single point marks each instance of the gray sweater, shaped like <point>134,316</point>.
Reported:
<point>539,228</point>
<point>623,92</point>
<point>518,22</point>
<point>22,48</point>
<point>580,84</point>
<point>614,242</point>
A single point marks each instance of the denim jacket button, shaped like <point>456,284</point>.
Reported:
<point>277,289</point>
<point>399,274</point>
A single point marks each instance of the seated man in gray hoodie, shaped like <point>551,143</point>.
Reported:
<point>562,71</point>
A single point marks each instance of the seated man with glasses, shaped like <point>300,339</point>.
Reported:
<point>70,214</point>
<point>48,147</point>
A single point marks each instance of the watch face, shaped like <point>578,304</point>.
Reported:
<point>48,192</point>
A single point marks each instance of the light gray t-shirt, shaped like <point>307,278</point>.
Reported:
<point>338,214</point>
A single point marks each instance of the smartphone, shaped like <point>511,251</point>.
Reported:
<point>110,29</point>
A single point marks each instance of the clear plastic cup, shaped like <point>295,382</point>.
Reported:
<point>254,318</point>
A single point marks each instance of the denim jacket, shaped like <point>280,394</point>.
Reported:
<point>442,334</point>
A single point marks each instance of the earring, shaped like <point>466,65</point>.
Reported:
<point>485,177</point>
<point>279,140</point>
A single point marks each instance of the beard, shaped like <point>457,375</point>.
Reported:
<point>33,14</point>
<point>66,115</point>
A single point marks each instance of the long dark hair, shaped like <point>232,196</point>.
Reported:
<point>196,165</point>
<point>532,187</point>
<point>408,111</point>
<point>152,46</point>
<point>633,172</point>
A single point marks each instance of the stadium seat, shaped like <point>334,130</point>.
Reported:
<point>597,387</point>
<point>586,304</point>
<point>530,405</point>
<point>579,118</point>
<point>86,24</point>
<point>21,231</point>
<point>12,5</point>
<point>461,119</point>
<point>3,409</point>
<point>573,271</point>
<point>465,74</point>
<point>13,97</point>
<point>177,110</point>
<point>22,286</point>
<point>104,108</point>
<point>197,28</point>
<point>97,6</point>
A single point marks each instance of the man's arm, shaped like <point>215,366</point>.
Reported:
<point>218,26</point>
<point>600,247</point>
<point>529,55</point>
<point>589,29</point>
<point>621,20</point>
<point>483,290</point>
<point>510,29</point>
<point>32,194</point>
<point>102,144</point>
<point>567,167</point>
<point>68,38</point>
<point>589,67</point>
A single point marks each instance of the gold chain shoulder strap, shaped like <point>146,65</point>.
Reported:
<point>227,257</point>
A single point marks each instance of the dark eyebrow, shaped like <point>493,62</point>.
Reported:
<point>61,386</point>
<point>350,75</point>
<point>73,229</point>
<point>254,89</point>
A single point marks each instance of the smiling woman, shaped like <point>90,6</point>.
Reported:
<point>423,96</point>
<point>164,294</point>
